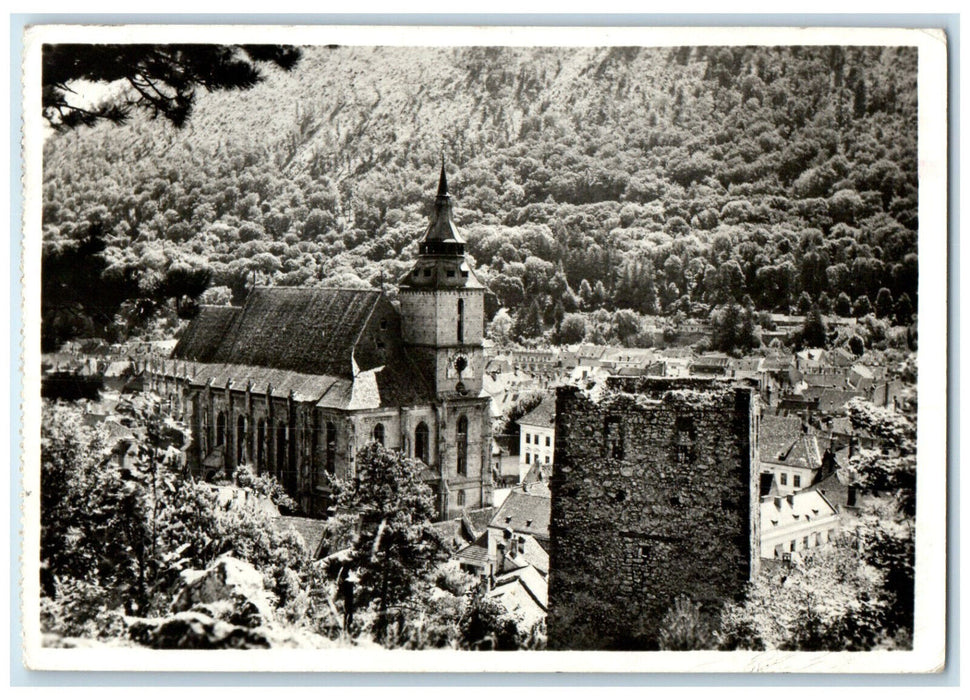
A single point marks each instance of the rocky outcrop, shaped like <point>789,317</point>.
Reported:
<point>195,630</point>
<point>230,590</point>
<point>222,607</point>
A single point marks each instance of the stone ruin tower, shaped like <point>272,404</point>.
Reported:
<point>654,495</point>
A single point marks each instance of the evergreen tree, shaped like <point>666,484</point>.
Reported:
<point>804,303</point>
<point>163,78</point>
<point>884,303</point>
<point>726,328</point>
<point>528,321</point>
<point>904,310</point>
<point>396,546</point>
<point>600,295</point>
<point>856,345</point>
<point>814,334</point>
<point>825,303</point>
<point>747,339</point>
<point>586,295</point>
<point>861,307</point>
<point>843,305</point>
<point>558,313</point>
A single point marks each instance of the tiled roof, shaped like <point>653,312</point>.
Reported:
<point>833,489</point>
<point>309,528</point>
<point>777,433</point>
<point>308,341</point>
<point>307,330</point>
<point>529,578</point>
<point>117,368</point>
<point>478,519</point>
<point>746,364</point>
<point>473,554</point>
<point>543,415</point>
<point>782,441</point>
<point>804,506</point>
<point>534,553</point>
<point>201,339</point>
<point>524,512</point>
<point>325,390</point>
<point>836,399</point>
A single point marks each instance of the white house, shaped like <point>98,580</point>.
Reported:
<point>537,435</point>
<point>796,522</point>
<point>790,451</point>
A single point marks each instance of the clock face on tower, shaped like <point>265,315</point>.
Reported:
<point>457,363</point>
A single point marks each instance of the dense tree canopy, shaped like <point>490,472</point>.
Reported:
<point>654,180</point>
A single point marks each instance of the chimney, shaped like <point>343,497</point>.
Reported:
<point>778,502</point>
<point>791,499</point>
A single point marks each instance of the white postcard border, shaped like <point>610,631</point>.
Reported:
<point>928,654</point>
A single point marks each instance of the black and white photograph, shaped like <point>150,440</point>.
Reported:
<point>397,347</point>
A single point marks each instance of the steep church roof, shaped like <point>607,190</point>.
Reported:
<point>312,331</point>
<point>202,337</point>
<point>308,341</point>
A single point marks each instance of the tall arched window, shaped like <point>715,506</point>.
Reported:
<point>220,429</point>
<point>461,320</point>
<point>461,499</point>
<point>461,440</point>
<point>379,433</point>
<point>240,439</point>
<point>331,448</point>
<point>260,446</point>
<point>281,448</point>
<point>421,442</point>
<point>206,436</point>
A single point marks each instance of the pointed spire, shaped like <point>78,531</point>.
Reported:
<point>443,180</point>
<point>441,226</point>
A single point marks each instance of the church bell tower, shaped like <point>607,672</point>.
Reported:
<point>442,305</point>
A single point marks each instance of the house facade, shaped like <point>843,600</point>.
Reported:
<point>537,436</point>
<point>796,522</point>
<point>297,380</point>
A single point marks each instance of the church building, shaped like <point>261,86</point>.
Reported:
<point>297,380</point>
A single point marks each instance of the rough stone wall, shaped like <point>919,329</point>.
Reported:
<point>476,481</point>
<point>654,495</point>
<point>430,317</point>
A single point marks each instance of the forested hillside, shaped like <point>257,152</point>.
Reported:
<point>657,180</point>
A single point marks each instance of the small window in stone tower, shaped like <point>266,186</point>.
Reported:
<point>613,431</point>
<point>461,320</point>
<point>379,433</point>
<point>451,273</point>
<point>461,438</point>
<point>683,439</point>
